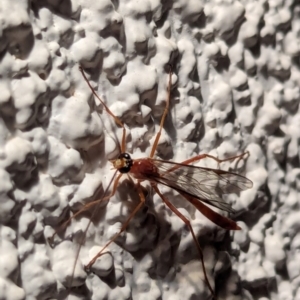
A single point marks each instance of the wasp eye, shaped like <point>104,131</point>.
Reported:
<point>126,163</point>
<point>124,155</point>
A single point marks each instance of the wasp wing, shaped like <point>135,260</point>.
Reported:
<point>205,184</point>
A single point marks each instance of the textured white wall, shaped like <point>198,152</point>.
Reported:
<point>235,87</point>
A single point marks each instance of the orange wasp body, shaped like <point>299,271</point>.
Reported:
<point>198,185</point>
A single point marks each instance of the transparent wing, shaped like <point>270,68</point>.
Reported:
<point>207,185</point>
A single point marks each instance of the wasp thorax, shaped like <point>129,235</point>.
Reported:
<point>123,163</point>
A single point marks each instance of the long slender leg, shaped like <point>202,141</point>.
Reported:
<point>124,226</point>
<point>117,120</point>
<point>188,224</point>
<point>86,207</point>
<point>163,116</point>
<point>202,156</point>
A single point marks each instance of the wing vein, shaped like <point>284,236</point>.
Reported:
<point>204,184</point>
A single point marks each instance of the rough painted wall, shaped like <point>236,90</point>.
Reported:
<point>235,88</point>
